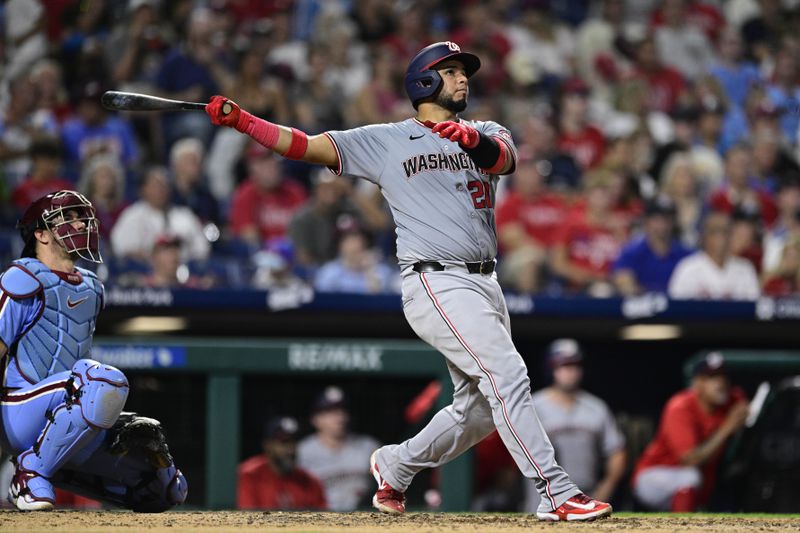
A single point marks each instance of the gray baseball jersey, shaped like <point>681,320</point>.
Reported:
<point>344,472</point>
<point>442,204</point>
<point>583,435</point>
<point>443,207</point>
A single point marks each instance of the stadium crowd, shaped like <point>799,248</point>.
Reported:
<point>658,140</point>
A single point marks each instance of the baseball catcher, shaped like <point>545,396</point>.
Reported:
<point>61,414</point>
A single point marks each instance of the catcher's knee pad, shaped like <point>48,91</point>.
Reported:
<point>101,392</point>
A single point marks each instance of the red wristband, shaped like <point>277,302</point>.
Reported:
<point>297,149</point>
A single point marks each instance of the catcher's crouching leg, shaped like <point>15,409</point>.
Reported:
<point>133,469</point>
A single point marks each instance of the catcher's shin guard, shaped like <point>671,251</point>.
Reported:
<point>93,401</point>
<point>133,470</point>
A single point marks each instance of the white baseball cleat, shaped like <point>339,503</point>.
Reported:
<point>29,491</point>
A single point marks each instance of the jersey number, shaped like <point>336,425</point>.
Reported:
<point>481,192</point>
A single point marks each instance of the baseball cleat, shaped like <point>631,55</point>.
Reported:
<point>579,507</point>
<point>29,491</point>
<point>386,499</point>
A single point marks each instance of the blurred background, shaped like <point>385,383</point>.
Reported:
<point>654,216</point>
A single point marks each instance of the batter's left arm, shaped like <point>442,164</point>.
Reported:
<point>489,150</point>
<point>289,142</point>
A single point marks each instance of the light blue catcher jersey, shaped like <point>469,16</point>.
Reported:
<point>442,204</point>
<point>58,328</point>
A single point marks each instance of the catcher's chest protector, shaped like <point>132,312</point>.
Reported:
<point>63,332</point>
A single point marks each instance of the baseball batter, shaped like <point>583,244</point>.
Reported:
<point>438,173</point>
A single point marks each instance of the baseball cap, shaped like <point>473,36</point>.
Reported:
<point>767,109</point>
<point>281,428</point>
<point>660,205</point>
<point>330,398</point>
<point>747,211</point>
<point>564,352</point>
<point>712,105</point>
<point>685,113</point>
<point>575,86</point>
<point>167,240</point>
<point>713,364</point>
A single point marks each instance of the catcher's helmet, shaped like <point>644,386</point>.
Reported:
<point>57,212</point>
<point>422,81</point>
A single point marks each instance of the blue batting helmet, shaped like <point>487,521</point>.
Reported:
<point>422,80</point>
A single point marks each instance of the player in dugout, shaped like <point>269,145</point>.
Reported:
<point>61,414</point>
<point>438,174</point>
<point>272,480</point>
<point>677,470</point>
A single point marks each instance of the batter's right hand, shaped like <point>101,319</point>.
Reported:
<point>223,112</point>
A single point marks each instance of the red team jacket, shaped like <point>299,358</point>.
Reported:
<point>684,425</point>
<point>260,487</point>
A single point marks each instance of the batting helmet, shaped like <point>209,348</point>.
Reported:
<point>57,212</point>
<point>423,81</point>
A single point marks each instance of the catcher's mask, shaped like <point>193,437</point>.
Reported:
<point>70,217</point>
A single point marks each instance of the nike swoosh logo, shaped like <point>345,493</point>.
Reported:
<point>73,305</point>
<point>412,138</point>
<point>585,506</point>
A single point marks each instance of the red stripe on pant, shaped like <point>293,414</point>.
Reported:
<point>12,397</point>
<point>477,359</point>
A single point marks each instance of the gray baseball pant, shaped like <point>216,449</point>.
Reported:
<point>464,316</point>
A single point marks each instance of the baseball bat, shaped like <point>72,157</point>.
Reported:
<point>123,101</point>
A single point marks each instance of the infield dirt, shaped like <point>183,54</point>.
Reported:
<point>241,521</point>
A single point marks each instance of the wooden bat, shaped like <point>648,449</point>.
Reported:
<point>122,101</point>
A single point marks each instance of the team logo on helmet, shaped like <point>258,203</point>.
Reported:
<point>71,218</point>
<point>453,46</point>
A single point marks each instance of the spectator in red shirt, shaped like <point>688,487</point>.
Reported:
<point>677,470</point>
<point>665,84</point>
<point>746,236</point>
<point>44,179</point>
<point>528,219</point>
<point>705,16</point>
<point>741,189</point>
<point>576,136</point>
<point>263,205</point>
<point>587,244</point>
<point>271,480</point>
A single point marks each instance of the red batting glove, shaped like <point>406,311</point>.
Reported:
<point>466,136</point>
<point>225,112</point>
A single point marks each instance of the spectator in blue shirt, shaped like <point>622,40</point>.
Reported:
<point>734,74</point>
<point>784,93</point>
<point>188,73</point>
<point>93,131</point>
<point>357,269</point>
<point>646,262</point>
